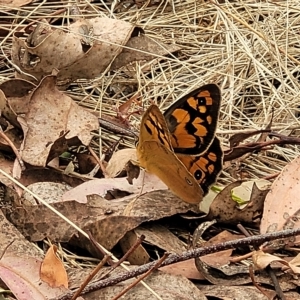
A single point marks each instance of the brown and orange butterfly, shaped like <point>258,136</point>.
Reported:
<point>180,146</point>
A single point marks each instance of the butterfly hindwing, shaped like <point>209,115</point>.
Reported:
<point>192,120</point>
<point>205,167</point>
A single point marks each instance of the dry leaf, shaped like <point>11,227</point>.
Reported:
<point>282,204</point>
<point>11,236</point>
<point>225,206</point>
<point>148,207</point>
<point>261,260</point>
<point>236,292</point>
<point>17,91</point>
<point>220,258</point>
<point>149,50</point>
<point>119,160</point>
<point>123,109</point>
<point>139,256</point>
<point>50,192</point>
<point>33,175</point>
<point>146,182</point>
<point>109,230</point>
<point>167,286</point>
<point>52,119</point>
<point>14,136</point>
<point>52,269</point>
<point>6,166</point>
<point>7,112</point>
<point>161,237</point>
<point>215,267</point>
<point>87,163</point>
<point>243,193</point>
<point>37,222</point>
<point>156,235</point>
<point>23,279</point>
<point>185,268</point>
<point>74,51</point>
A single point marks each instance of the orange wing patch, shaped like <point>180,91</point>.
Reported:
<point>192,120</point>
<point>206,167</point>
<point>207,96</point>
<point>192,102</point>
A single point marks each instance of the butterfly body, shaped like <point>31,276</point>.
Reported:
<point>180,146</point>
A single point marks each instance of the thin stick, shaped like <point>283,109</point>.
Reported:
<point>96,245</point>
<point>251,273</point>
<point>91,276</point>
<point>5,248</point>
<point>98,160</point>
<point>119,262</point>
<point>13,147</point>
<point>173,258</point>
<point>137,243</point>
<point>157,265</point>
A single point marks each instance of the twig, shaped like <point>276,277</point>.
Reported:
<point>268,269</point>
<point>173,258</point>
<point>13,147</point>
<point>99,249</point>
<point>130,250</point>
<point>275,282</point>
<point>243,230</point>
<point>242,149</point>
<point>91,276</point>
<point>251,273</point>
<point>271,176</point>
<point>241,257</point>
<point>5,248</point>
<point>116,128</point>
<point>115,265</point>
<point>157,265</point>
<point>97,160</point>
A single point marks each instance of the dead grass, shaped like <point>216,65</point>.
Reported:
<point>249,48</point>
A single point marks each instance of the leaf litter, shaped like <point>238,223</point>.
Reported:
<point>100,63</point>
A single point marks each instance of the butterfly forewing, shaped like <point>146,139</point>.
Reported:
<point>206,167</point>
<point>159,160</point>
<point>192,120</point>
<point>156,155</point>
<point>154,127</point>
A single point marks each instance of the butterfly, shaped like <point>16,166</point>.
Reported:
<point>180,146</point>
